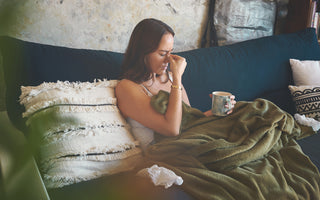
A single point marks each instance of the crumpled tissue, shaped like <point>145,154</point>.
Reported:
<point>161,176</point>
<point>302,119</point>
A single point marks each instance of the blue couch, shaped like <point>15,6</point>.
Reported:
<point>249,69</point>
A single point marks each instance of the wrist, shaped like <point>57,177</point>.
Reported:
<point>176,78</point>
<point>178,87</point>
<point>176,81</point>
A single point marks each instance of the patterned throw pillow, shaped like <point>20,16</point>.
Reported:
<point>307,100</point>
<point>81,131</point>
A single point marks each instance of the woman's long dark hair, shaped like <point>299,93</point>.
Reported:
<point>144,39</point>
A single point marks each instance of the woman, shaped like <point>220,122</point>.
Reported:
<point>145,73</point>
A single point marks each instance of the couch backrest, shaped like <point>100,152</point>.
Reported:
<point>250,69</point>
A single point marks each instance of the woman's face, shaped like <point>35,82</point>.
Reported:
<point>158,60</point>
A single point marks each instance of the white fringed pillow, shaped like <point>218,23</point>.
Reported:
<point>83,135</point>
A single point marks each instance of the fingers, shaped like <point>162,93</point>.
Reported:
<point>229,112</point>
<point>176,58</point>
<point>227,106</point>
<point>232,106</point>
<point>177,64</point>
<point>233,102</point>
<point>171,58</point>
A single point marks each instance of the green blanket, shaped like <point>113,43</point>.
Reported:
<point>250,154</point>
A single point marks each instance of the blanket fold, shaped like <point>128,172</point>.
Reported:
<point>250,154</point>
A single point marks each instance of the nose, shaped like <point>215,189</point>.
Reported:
<point>167,57</point>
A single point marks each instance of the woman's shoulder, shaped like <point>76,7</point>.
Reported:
<point>126,83</point>
<point>126,86</point>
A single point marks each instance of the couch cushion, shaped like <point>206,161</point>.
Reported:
<point>247,69</point>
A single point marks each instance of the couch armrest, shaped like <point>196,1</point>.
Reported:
<point>21,177</point>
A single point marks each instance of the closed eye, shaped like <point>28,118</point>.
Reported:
<point>165,52</point>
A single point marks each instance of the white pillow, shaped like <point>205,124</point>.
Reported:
<point>305,72</point>
<point>82,133</point>
<point>307,100</point>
